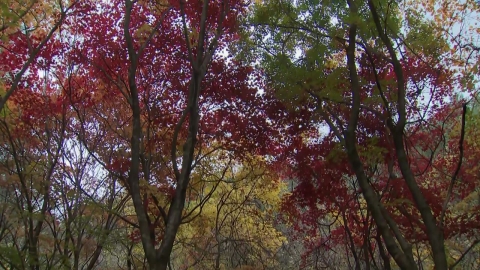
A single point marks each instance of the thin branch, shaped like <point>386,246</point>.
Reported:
<point>185,32</point>
<point>464,254</point>
<point>173,152</point>
<point>20,16</point>
<point>401,103</point>
<point>154,31</point>
<point>33,55</point>
<point>457,170</point>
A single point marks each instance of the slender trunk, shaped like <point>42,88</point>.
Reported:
<point>350,140</point>
<point>366,247</point>
<point>373,203</point>
<point>352,244</point>
<point>76,258</point>
<point>434,233</point>
<point>217,258</point>
<point>383,254</point>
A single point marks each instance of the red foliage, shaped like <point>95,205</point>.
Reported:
<point>326,190</point>
<point>93,76</point>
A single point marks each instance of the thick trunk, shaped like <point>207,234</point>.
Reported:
<point>175,212</point>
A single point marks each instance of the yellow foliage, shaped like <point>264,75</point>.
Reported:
<point>244,198</point>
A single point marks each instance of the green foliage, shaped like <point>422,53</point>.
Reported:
<point>11,256</point>
<point>422,38</point>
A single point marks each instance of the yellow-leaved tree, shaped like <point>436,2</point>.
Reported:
<point>234,227</point>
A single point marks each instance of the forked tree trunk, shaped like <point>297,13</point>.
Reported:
<point>158,259</point>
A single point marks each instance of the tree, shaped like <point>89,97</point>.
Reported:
<point>360,69</point>
<point>128,128</point>
<point>32,145</point>
<point>53,215</point>
<point>161,95</point>
<point>235,227</point>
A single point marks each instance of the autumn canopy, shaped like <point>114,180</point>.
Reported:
<point>232,134</point>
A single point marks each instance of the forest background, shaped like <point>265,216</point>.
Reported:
<point>231,134</point>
